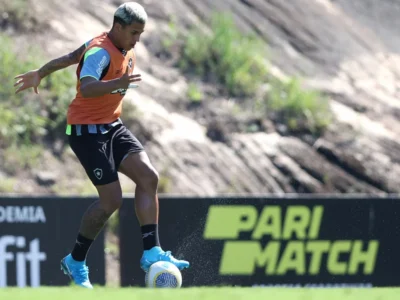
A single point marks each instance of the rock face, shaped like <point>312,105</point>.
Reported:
<point>346,49</point>
<point>339,47</point>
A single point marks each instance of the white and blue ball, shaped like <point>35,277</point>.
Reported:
<point>163,274</point>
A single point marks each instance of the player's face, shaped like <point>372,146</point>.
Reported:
<point>130,35</point>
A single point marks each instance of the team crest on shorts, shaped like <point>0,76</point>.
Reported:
<point>98,173</point>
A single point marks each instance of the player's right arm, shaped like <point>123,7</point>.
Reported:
<point>32,78</point>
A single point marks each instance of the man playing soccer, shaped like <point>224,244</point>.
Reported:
<point>103,145</point>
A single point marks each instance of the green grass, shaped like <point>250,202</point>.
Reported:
<point>199,293</point>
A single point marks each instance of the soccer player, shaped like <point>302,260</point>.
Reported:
<point>101,142</point>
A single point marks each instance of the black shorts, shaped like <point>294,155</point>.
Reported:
<point>101,153</point>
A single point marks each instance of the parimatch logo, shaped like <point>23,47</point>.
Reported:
<point>293,242</point>
<point>16,252</point>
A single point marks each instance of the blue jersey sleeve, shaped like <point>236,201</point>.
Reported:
<point>96,60</point>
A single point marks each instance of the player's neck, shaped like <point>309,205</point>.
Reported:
<point>113,39</point>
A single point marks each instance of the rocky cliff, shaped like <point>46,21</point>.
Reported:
<point>348,50</point>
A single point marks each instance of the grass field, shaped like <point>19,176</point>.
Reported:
<point>75,293</point>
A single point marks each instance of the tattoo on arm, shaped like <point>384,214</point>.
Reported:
<point>62,62</point>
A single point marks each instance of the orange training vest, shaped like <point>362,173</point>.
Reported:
<point>107,108</point>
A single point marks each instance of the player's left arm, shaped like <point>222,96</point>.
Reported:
<point>33,77</point>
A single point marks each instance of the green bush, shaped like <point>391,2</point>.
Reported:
<point>194,93</point>
<point>26,118</point>
<point>301,110</point>
<point>235,59</point>
<point>237,62</point>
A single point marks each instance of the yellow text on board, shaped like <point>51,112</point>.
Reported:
<point>293,247</point>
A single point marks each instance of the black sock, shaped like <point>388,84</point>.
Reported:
<point>81,248</point>
<point>150,236</point>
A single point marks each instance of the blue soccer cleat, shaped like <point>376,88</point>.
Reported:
<point>156,254</point>
<point>77,271</point>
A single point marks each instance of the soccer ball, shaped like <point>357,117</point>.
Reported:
<point>163,274</point>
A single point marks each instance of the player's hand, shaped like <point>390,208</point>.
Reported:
<point>127,79</point>
<point>28,80</point>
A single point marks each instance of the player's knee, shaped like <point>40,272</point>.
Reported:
<point>115,204</point>
<point>150,179</point>
<point>110,205</point>
<point>110,197</point>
